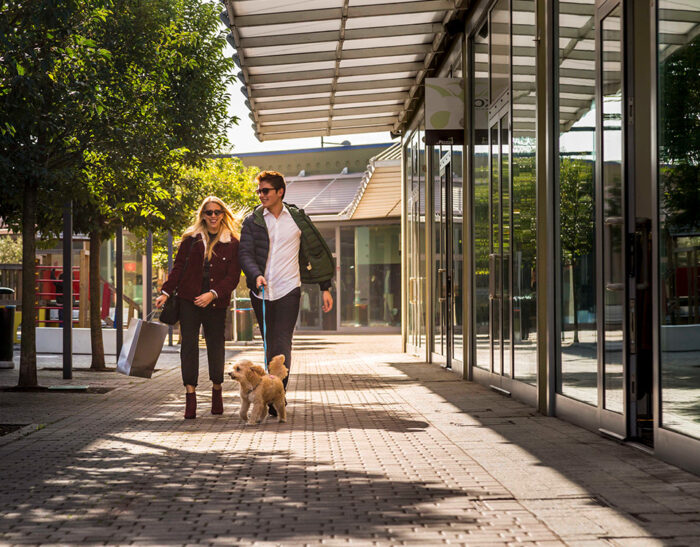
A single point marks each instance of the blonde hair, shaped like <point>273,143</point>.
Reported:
<point>230,222</point>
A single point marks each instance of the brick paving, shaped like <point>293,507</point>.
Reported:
<point>379,449</point>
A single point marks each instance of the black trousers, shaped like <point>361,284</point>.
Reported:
<point>213,320</point>
<point>280,319</point>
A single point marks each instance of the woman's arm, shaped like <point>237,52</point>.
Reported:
<point>233,272</point>
<point>171,283</point>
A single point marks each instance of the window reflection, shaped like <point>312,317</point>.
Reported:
<point>578,372</point>
<point>370,276</point>
<point>679,217</point>
<point>524,197</point>
<point>480,177</point>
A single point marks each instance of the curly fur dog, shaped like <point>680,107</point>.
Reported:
<point>260,389</point>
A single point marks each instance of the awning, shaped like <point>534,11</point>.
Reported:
<point>333,67</point>
<point>379,194</point>
<point>322,195</point>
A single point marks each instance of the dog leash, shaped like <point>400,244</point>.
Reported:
<point>263,328</point>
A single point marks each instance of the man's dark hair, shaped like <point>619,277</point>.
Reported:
<point>274,179</point>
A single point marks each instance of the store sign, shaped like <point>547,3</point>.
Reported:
<point>444,111</point>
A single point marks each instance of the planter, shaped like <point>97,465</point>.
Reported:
<point>50,340</point>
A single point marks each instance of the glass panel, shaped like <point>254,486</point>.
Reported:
<point>524,207</point>
<point>480,178</point>
<point>439,236</point>
<point>679,214</point>
<point>419,147</point>
<point>495,259</point>
<point>506,244</point>
<point>349,315</point>
<point>457,253</point>
<point>613,213</point>
<point>410,243</point>
<point>500,49</point>
<point>578,373</point>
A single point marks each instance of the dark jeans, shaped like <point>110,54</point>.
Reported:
<point>213,319</point>
<point>280,319</point>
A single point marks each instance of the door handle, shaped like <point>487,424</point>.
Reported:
<point>442,284</point>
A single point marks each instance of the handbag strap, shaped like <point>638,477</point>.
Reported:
<point>187,261</point>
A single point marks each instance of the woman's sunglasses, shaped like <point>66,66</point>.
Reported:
<point>217,212</point>
<point>264,191</point>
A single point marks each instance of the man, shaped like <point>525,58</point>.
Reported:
<point>280,249</point>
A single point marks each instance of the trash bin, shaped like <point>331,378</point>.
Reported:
<point>7,331</point>
<point>244,320</point>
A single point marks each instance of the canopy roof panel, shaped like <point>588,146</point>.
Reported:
<point>302,62</point>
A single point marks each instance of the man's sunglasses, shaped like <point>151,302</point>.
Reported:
<point>264,191</point>
<point>217,212</point>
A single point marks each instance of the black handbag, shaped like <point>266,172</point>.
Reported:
<point>170,314</point>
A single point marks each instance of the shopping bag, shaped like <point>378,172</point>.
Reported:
<point>143,343</point>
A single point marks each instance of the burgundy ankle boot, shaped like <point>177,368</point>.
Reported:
<point>190,405</point>
<point>217,401</point>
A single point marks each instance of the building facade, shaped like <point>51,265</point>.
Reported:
<point>340,188</point>
<point>552,252</point>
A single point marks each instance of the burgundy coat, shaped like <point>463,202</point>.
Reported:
<point>225,271</point>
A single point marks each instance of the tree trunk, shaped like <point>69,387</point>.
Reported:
<point>27,360</point>
<point>575,298</point>
<point>98,350</point>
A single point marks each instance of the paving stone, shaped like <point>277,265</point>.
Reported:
<point>379,449</point>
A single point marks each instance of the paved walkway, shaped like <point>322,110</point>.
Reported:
<point>380,449</point>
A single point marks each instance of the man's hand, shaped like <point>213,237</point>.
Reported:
<point>203,300</point>
<point>327,301</point>
<point>260,280</point>
<point>161,300</point>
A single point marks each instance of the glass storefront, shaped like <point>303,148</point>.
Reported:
<point>524,173</point>
<point>414,173</point>
<point>679,218</point>
<point>480,189</point>
<point>370,278</point>
<point>603,238</point>
<point>578,374</point>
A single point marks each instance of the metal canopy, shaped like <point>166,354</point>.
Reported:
<point>330,67</point>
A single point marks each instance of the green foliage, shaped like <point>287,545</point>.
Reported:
<point>225,178</point>
<point>10,250</point>
<point>576,209</point>
<point>48,101</point>
<point>679,137</point>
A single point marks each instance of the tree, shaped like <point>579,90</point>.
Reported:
<point>48,104</point>
<point>10,250</point>
<point>226,178</point>
<point>165,107</point>
<point>577,218</point>
<point>100,101</point>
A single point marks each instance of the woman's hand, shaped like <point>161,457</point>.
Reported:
<point>203,300</point>
<point>161,300</point>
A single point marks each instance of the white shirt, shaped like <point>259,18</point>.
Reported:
<point>282,268</point>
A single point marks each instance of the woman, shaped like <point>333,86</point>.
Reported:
<point>204,275</point>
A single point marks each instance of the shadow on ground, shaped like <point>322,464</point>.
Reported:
<point>645,490</point>
<point>140,491</point>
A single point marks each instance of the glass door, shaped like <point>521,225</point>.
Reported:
<point>443,344</point>
<point>500,245</point>
<point>616,293</point>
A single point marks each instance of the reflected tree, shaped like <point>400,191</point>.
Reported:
<point>577,219</point>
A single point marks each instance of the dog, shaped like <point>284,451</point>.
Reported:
<point>260,389</point>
